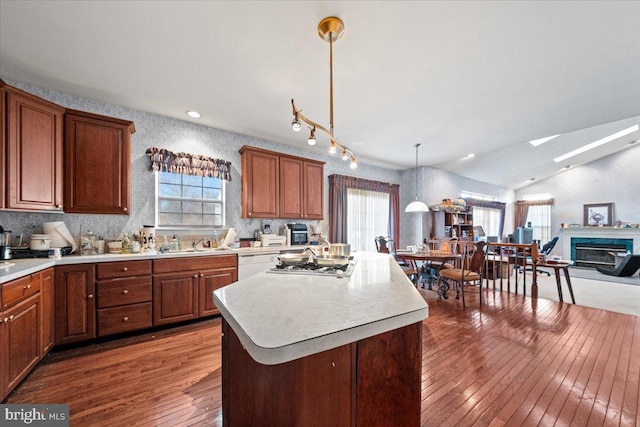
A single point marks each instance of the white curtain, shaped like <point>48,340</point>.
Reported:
<point>488,218</point>
<point>367,217</point>
<point>540,218</point>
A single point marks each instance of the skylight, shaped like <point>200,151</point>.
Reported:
<point>597,143</point>
<point>541,141</point>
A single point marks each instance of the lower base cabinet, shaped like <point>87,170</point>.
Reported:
<point>75,303</point>
<point>183,287</point>
<point>25,327</point>
<point>372,382</point>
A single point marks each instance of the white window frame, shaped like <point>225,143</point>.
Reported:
<point>222,202</point>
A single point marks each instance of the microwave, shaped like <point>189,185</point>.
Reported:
<point>299,234</point>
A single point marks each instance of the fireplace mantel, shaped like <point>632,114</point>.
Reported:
<point>597,233</point>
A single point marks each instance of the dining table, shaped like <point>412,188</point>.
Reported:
<point>430,260</point>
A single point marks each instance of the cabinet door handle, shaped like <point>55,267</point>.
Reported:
<point>10,318</point>
<point>90,296</point>
<point>59,206</point>
<point>249,214</point>
<point>125,269</point>
<point>125,292</point>
<point>125,209</point>
<point>201,275</point>
<point>195,276</point>
<point>125,319</point>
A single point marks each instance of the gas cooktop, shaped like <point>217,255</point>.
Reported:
<point>311,269</point>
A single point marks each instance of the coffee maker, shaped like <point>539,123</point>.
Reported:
<point>5,244</point>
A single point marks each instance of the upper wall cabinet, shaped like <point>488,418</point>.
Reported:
<point>32,138</point>
<point>276,185</point>
<point>97,159</point>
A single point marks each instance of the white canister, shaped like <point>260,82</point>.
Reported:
<point>40,242</point>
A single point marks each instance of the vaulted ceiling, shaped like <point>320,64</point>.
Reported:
<point>459,77</point>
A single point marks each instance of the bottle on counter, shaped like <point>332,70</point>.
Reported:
<point>175,245</point>
<point>126,244</point>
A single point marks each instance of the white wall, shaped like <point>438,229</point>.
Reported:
<point>612,179</point>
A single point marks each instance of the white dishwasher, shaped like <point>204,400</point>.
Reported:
<point>248,265</point>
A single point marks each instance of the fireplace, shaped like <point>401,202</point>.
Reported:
<point>598,252</point>
<point>590,246</point>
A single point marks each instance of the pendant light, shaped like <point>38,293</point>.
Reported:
<point>416,205</point>
<point>330,30</point>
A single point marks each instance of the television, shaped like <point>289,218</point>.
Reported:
<point>522,235</point>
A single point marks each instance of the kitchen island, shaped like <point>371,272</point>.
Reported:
<point>310,350</point>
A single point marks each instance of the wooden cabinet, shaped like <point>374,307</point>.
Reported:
<point>124,295</point>
<point>25,327</point>
<point>210,280</point>
<point>452,224</point>
<point>276,185</point>
<point>183,287</point>
<point>97,160</point>
<point>46,298</point>
<point>372,382</point>
<point>75,303</point>
<point>260,183</point>
<point>32,142</point>
<point>301,188</point>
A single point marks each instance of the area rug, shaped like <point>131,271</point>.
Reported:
<point>593,274</point>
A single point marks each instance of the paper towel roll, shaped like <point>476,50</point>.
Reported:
<point>60,235</point>
<point>229,238</point>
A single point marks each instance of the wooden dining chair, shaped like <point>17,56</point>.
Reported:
<point>387,245</point>
<point>471,271</point>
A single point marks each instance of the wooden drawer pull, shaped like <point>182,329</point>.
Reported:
<point>27,287</point>
<point>125,269</point>
<point>125,292</point>
<point>125,319</point>
<point>90,296</point>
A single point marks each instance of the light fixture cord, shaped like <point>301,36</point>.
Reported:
<point>417,145</point>
<point>331,82</point>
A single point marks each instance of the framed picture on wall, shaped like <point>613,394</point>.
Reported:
<point>598,215</point>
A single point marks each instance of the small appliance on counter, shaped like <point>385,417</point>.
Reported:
<point>26,252</point>
<point>299,233</point>
<point>5,244</point>
<point>271,240</point>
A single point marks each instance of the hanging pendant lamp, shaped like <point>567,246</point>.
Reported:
<point>416,205</point>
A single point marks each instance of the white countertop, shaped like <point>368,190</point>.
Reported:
<point>283,317</point>
<point>21,267</point>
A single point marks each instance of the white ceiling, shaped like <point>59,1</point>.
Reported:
<point>457,77</point>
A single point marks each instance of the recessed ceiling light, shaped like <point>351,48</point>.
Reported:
<point>193,114</point>
<point>597,143</point>
<point>541,141</point>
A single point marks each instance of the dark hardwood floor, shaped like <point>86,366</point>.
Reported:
<point>516,362</point>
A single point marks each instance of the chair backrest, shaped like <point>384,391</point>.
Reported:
<point>473,256</point>
<point>548,247</point>
<point>385,245</point>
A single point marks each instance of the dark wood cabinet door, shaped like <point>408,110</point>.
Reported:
<point>291,191</point>
<point>210,281</point>
<point>97,164</point>
<point>33,153</point>
<point>75,303</point>
<point>3,150</point>
<point>46,302</point>
<point>175,297</point>
<point>260,184</point>
<point>22,329</point>
<point>313,181</point>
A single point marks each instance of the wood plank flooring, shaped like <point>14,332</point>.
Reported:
<point>516,362</point>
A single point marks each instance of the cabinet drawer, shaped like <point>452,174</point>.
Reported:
<point>19,290</point>
<point>116,292</point>
<point>113,270</point>
<point>171,265</point>
<point>123,319</point>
